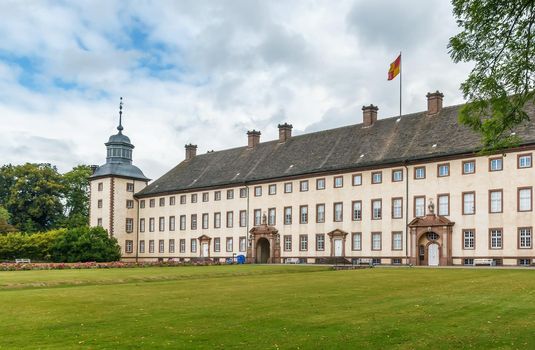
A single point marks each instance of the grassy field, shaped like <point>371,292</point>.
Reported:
<point>268,307</point>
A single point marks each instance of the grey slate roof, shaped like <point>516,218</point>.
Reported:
<point>119,169</point>
<point>387,141</point>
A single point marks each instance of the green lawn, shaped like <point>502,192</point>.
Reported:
<point>268,307</point>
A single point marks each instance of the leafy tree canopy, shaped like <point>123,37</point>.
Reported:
<point>498,36</point>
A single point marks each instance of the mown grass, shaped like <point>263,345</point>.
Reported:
<point>268,307</point>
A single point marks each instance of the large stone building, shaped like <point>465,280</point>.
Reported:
<point>410,189</point>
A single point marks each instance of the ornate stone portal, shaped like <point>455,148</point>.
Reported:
<point>430,239</point>
<point>264,244</point>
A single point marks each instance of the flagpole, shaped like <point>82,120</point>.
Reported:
<point>400,79</point>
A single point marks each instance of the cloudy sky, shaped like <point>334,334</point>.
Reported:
<point>205,72</point>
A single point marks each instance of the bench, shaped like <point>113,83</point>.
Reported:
<point>22,261</point>
<point>291,261</point>
<point>489,262</point>
<point>365,261</point>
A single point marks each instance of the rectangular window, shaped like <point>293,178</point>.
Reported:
<point>183,199</point>
<point>205,220</point>
<point>303,214</point>
<point>243,244</point>
<point>524,161</point>
<point>151,246</point>
<point>338,181</point>
<point>171,223</point>
<point>217,244</point>
<point>243,192</point>
<point>141,225</point>
<point>419,173</point>
<point>243,218</point>
<point>320,213</point>
<point>99,203</point>
<point>469,167</point>
<point>217,195</point>
<point>172,200</point>
<point>377,209</point>
<point>496,164</point>
<point>230,194</point>
<point>99,222</point>
<point>287,243</point>
<point>151,224</point>
<point>469,239</point>
<point>272,189</point>
<point>129,204</point>
<point>356,241</point>
<point>194,198</point>
<point>303,243</point>
<point>272,216</point>
<point>338,212</point>
<point>142,204</point>
<point>443,170</point>
<point>130,187</point>
<point>303,186</point>
<point>356,210</point>
<point>171,246</point>
<point>161,223</point>
<point>129,246</point>
<point>495,238</point>
<point>217,220</point>
<point>524,199</point>
<point>230,219</point>
<point>419,206</point>
<point>142,246</point>
<point>230,244</point>
<point>287,215</point>
<point>182,222</point>
<point>469,203</point>
<point>193,245</point>
<point>376,241</point>
<point>357,179</point>
<point>193,220</point>
<point>257,217</point>
<point>320,184</point>
<point>524,237</point>
<point>495,201</point>
<point>397,175</point>
<point>377,177</point>
<point>397,240</point>
<point>397,208</point>
<point>100,186</point>
<point>162,202</point>
<point>205,196</point>
<point>129,225</point>
<point>152,203</point>
<point>258,191</point>
<point>288,187</point>
<point>182,245</point>
<point>320,242</point>
<point>443,204</point>
<point>161,246</point>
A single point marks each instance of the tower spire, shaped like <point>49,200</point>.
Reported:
<point>120,127</point>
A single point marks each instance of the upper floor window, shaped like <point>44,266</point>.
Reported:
<point>243,218</point>
<point>469,167</point>
<point>205,219</point>
<point>287,215</point>
<point>419,173</point>
<point>142,204</point>
<point>152,203</point>
<point>397,175</point>
<point>100,186</point>
<point>172,200</point>
<point>357,211</point>
<point>524,161</point>
<point>338,181</point>
<point>377,177</point>
<point>524,199</point>
<point>182,222</point>
<point>243,192</point>
<point>99,203</point>
<point>193,222</point>
<point>469,203</point>
<point>129,204</point>
<point>320,213</point>
<point>443,170</point>
<point>288,187</point>
<point>183,199</point>
<point>99,222</point>
<point>338,211</point>
<point>271,216</point>
<point>217,195</point>
<point>257,217</point>
<point>443,204</point>
<point>217,220</point>
<point>320,184</point>
<point>496,164</point>
<point>303,186</point>
<point>194,198</point>
<point>419,206</point>
<point>162,202</point>
<point>495,200</point>
<point>161,223</point>
<point>397,208</point>
<point>230,194</point>
<point>230,219</point>
<point>258,191</point>
<point>129,225</point>
<point>377,209</point>
<point>303,214</point>
<point>205,196</point>
<point>272,189</point>
<point>129,187</point>
<point>357,179</point>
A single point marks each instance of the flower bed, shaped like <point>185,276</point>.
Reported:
<point>95,265</point>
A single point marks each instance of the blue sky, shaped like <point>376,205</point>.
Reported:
<point>205,72</point>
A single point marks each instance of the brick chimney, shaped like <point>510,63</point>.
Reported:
<point>369,115</point>
<point>434,102</point>
<point>285,132</point>
<point>253,138</point>
<point>191,151</point>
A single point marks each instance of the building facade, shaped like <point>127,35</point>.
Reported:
<point>411,189</point>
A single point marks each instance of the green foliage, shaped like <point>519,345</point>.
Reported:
<point>36,246</point>
<point>86,244</point>
<point>498,36</point>
<point>4,221</point>
<point>76,194</point>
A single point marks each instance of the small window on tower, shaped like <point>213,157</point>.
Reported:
<point>130,187</point>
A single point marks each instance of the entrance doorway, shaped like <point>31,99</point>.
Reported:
<point>432,254</point>
<point>262,251</point>
<point>204,250</point>
<point>337,247</point>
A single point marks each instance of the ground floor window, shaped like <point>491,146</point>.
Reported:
<point>524,237</point>
<point>397,240</point>
<point>142,246</point>
<point>524,262</point>
<point>396,261</point>
<point>356,241</point>
<point>151,246</point>
<point>182,245</point>
<point>129,246</point>
<point>287,243</point>
<point>468,261</point>
<point>161,246</point>
<point>217,244</point>
<point>243,244</point>
<point>303,242</point>
<point>230,244</point>
<point>469,239</point>
<point>193,244</point>
<point>171,246</point>
<point>376,240</point>
<point>320,242</point>
<point>496,238</point>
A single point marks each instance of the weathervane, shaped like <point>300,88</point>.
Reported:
<point>120,127</point>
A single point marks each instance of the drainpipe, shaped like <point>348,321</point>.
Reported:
<point>406,212</point>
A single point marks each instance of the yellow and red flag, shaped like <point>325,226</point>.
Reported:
<point>394,68</point>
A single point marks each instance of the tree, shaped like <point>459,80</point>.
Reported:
<point>498,36</point>
<point>5,227</point>
<point>86,244</point>
<point>76,193</point>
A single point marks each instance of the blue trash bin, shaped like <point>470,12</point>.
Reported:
<point>240,259</point>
